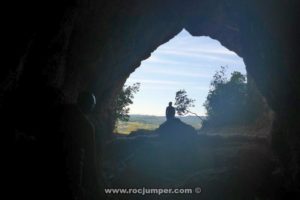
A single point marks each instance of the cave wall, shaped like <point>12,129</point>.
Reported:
<point>95,45</point>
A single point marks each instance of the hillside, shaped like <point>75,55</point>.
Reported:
<point>150,122</point>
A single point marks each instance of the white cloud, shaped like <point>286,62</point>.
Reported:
<point>153,81</point>
<point>159,60</point>
<point>184,45</point>
<point>178,73</point>
<point>158,88</point>
<point>196,50</point>
<point>163,84</point>
<point>201,88</point>
<point>203,54</point>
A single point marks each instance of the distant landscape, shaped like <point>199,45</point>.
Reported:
<point>150,122</point>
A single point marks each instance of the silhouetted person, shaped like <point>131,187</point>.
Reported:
<point>170,112</point>
<point>86,102</point>
<point>79,143</point>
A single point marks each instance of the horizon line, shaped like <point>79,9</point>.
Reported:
<point>165,116</point>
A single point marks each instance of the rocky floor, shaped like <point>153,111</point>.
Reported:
<point>224,168</point>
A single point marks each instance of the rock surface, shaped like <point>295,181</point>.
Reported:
<point>95,45</point>
<point>231,168</point>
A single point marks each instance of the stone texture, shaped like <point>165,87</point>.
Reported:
<point>95,45</point>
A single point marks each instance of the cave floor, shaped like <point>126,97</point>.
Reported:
<point>224,168</point>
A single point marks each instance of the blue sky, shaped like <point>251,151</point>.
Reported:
<point>185,62</point>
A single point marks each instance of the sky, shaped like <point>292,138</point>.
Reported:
<point>185,62</point>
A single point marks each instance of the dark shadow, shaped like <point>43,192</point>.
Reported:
<point>175,155</point>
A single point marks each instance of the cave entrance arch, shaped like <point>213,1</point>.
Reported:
<point>97,44</point>
<point>159,156</point>
<point>247,28</point>
<point>184,62</point>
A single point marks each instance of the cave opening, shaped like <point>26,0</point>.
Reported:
<point>171,153</point>
<point>95,45</point>
<point>184,62</point>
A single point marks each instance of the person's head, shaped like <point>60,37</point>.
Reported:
<point>170,103</point>
<point>86,101</point>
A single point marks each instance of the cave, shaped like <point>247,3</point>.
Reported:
<point>65,47</point>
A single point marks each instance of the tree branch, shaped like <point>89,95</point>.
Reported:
<point>195,114</point>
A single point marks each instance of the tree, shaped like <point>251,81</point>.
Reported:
<point>123,100</point>
<point>226,102</point>
<point>183,103</point>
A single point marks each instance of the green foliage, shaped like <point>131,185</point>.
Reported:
<point>183,103</point>
<point>226,102</point>
<point>124,99</point>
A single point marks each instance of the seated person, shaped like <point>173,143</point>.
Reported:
<point>170,112</point>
